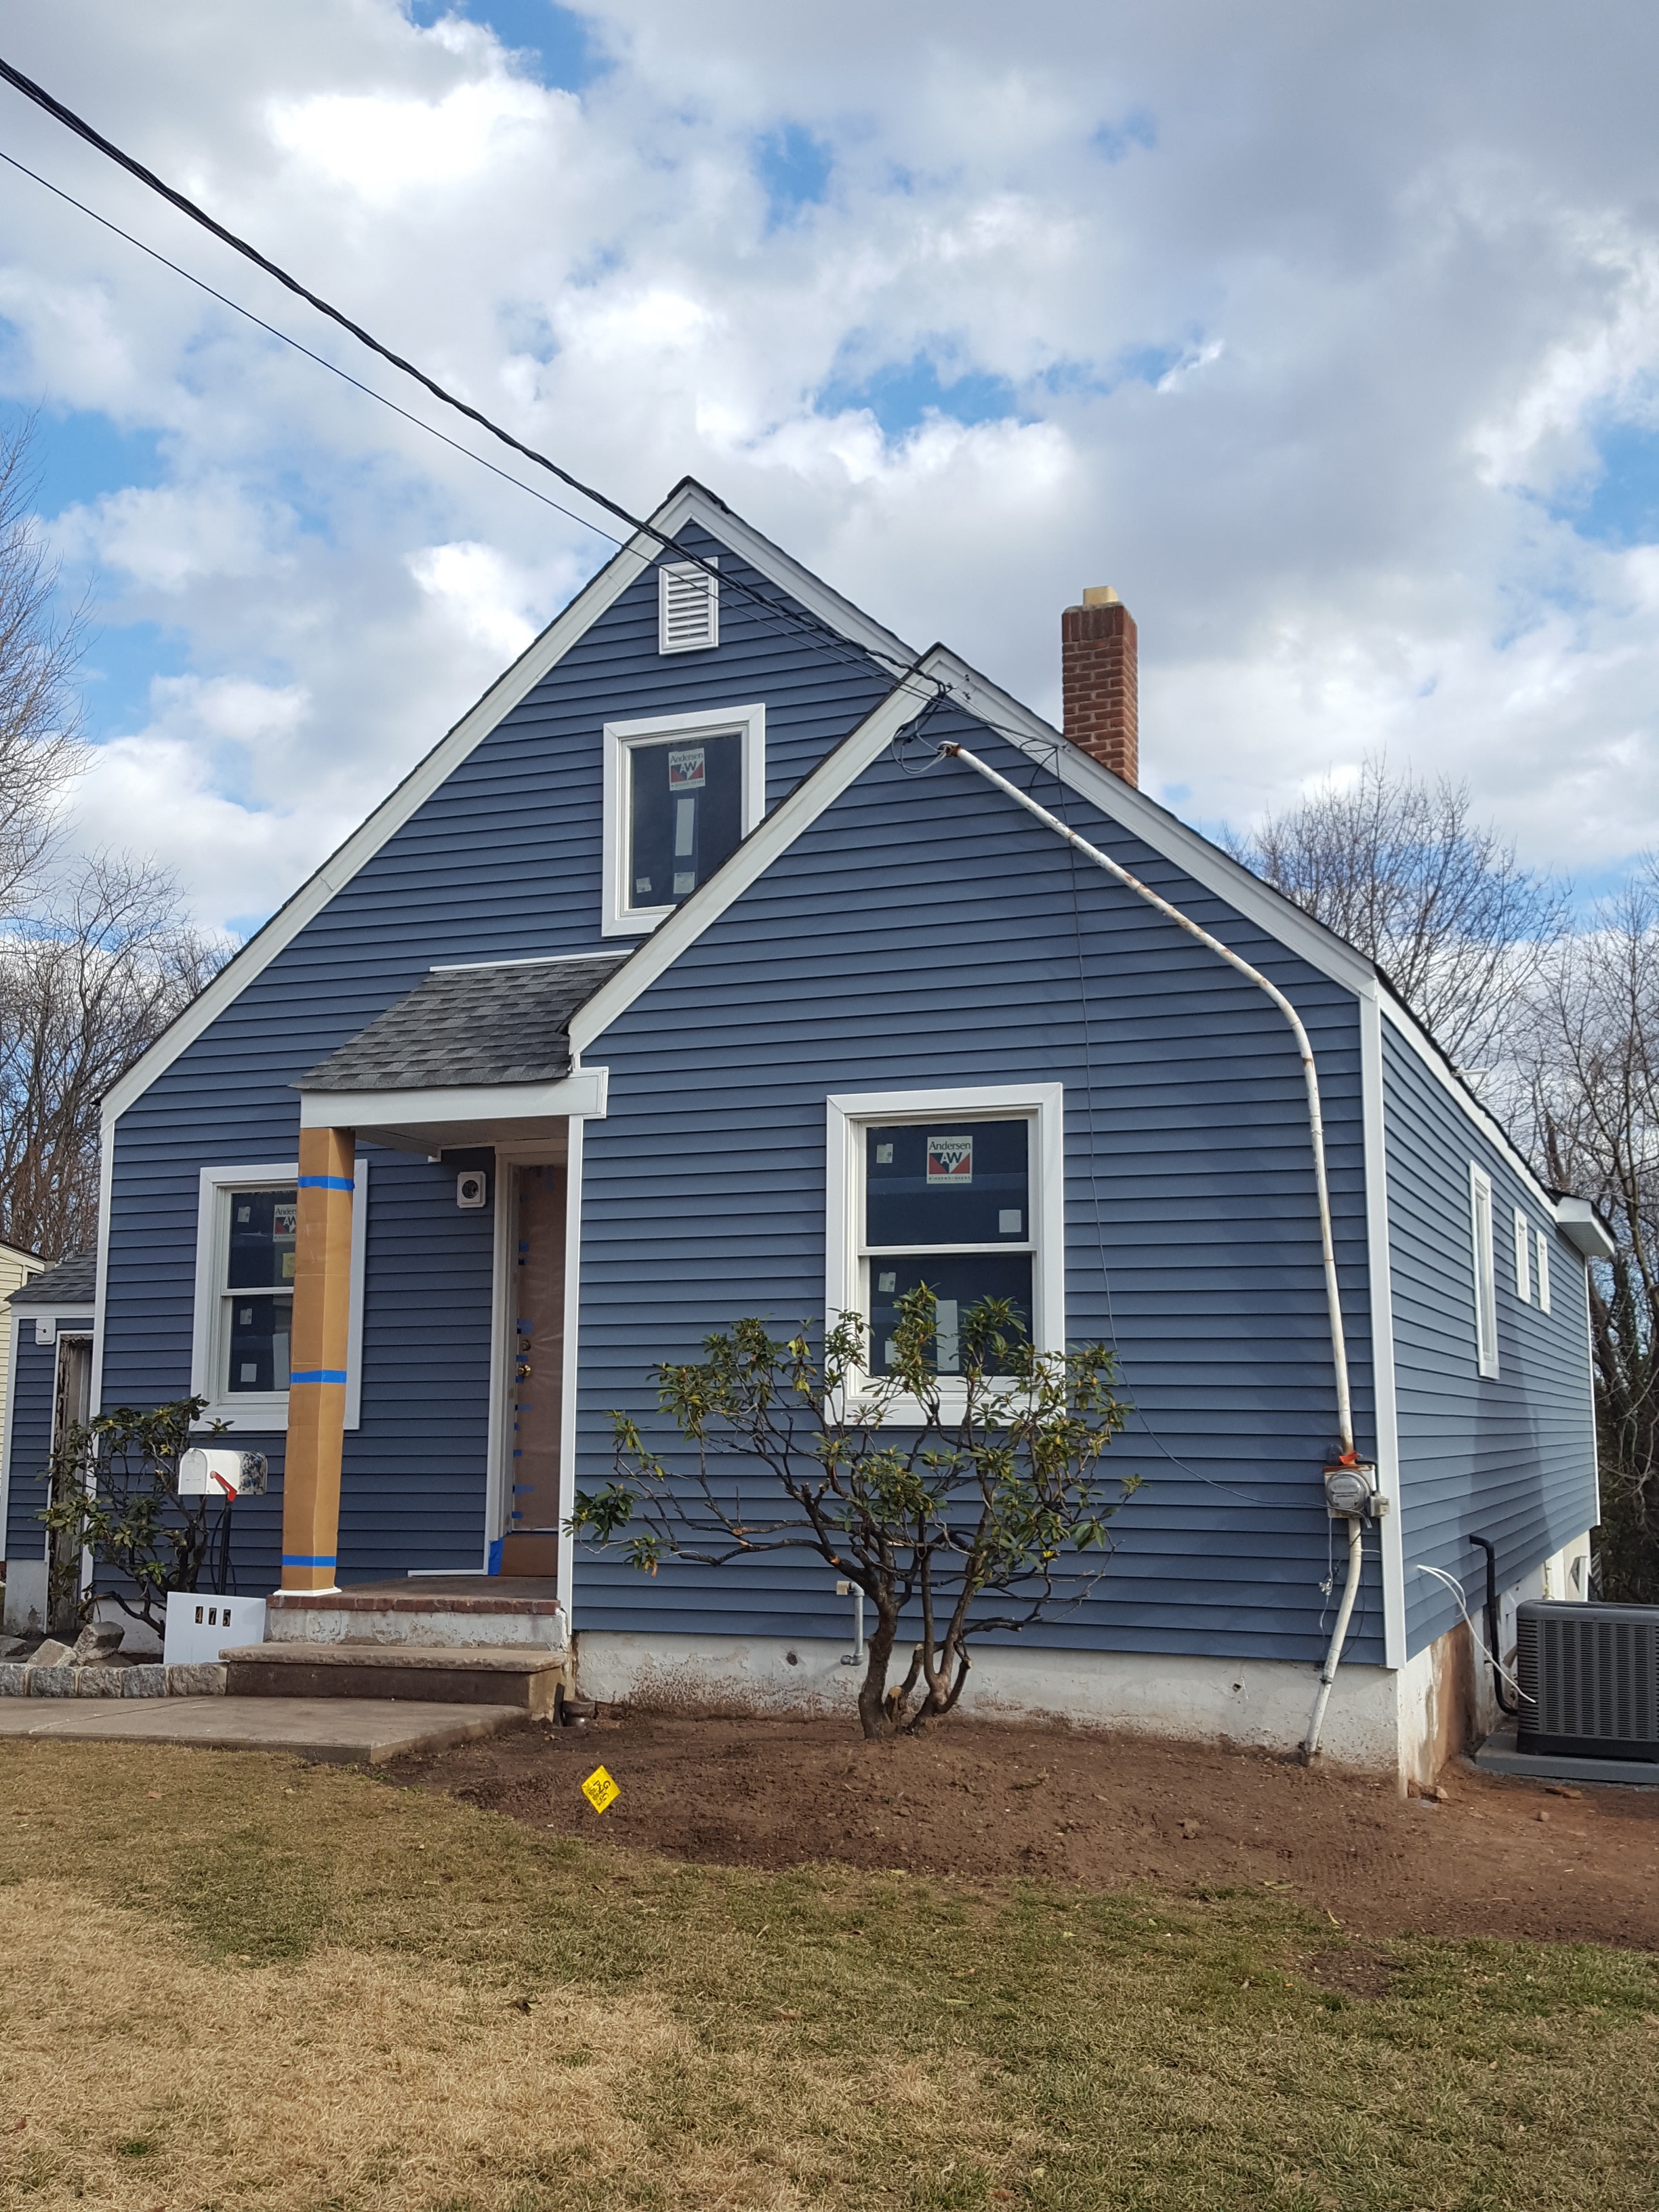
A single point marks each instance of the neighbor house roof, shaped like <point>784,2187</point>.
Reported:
<point>508,1021</point>
<point>72,1282</point>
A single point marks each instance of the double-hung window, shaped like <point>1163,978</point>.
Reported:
<point>681,792</point>
<point>246,1246</point>
<point>960,1190</point>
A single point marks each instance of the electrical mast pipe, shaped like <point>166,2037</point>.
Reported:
<point>1315,1119</point>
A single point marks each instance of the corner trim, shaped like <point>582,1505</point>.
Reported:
<point>1373,1108</point>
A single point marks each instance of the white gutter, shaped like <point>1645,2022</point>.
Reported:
<point>1315,1119</point>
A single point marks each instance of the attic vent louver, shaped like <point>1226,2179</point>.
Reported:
<point>688,608</point>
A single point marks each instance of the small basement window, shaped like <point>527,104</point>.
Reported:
<point>246,1255</point>
<point>961,1191</point>
<point>1485,1290</point>
<point>688,607</point>
<point>681,792</point>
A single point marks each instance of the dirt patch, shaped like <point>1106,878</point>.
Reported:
<point>990,1803</point>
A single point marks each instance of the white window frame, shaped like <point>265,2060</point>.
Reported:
<point>265,1412</point>
<point>1543,1272</point>
<point>617,918</point>
<point>850,1113</point>
<point>1485,1273</point>
<point>1522,1258</point>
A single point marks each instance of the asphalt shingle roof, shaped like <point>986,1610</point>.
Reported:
<point>72,1282</point>
<point>503,1023</point>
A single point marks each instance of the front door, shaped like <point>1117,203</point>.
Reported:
<point>536,1373</point>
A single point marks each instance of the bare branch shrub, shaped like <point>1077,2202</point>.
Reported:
<point>1400,868</point>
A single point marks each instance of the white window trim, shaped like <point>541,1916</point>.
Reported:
<point>1522,1258</point>
<point>618,918</point>
<point>1486,1277</point>
<point>847,1112</point>
<point>266,1413</point>
<point>1543,1272</point>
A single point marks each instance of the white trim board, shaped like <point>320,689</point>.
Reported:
<point>5,1438</point>
<point>1381,1286</point>
<point>688,503</point>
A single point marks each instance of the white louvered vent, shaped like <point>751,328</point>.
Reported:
<point>688,608</point>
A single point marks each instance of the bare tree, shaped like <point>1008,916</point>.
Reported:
<point>40,709</point>
<point>1589,1063</point>
<point>87,984</point>
<point>1400,868</point>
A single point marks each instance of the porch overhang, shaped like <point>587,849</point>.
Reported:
<point>1580,1224</point>
<point>459,1117</point>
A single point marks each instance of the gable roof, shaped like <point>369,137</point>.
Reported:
<point>919,679</point>
<point>505,1021</point>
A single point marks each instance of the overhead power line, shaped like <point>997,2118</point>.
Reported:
<point>800,619</point>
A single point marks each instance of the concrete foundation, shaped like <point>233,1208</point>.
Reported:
<point>1405,1724</point>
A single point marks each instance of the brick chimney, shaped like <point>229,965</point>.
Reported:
<point>1098,678</point>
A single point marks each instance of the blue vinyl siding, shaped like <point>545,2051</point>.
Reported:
<point>925,932</point>
<point>502,862</point>
<point>1512,1457</point>
<point>33,1384</point>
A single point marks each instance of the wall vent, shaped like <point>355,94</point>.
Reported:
<point>688,608</point>
<point>1589,1679</point>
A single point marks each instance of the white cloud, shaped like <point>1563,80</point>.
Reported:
<point>1309,356</point>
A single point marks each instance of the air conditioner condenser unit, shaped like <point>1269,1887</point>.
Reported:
<point>1589,1679</point>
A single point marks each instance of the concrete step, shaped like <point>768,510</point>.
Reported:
<point>518,1675</point>
<point>435,1612</point>
<point>346,1730</point>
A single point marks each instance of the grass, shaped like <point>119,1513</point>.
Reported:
<point>236,1981</point>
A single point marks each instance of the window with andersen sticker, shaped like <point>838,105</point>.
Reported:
<point>685,816</point>
<point>948,1203</point>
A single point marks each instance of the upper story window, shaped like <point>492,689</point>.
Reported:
<point>688,607</point>
<point>1543,1272</point>
<point>680,792</point>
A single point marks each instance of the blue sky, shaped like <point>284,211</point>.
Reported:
<point>1333,346</point>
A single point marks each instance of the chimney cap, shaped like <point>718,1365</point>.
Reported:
<point>1099,595</point>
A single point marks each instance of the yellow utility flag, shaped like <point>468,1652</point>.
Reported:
<point>600,1790</point>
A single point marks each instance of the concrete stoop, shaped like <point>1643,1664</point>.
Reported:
<point>343,1731</point>
<point>523,1677</point>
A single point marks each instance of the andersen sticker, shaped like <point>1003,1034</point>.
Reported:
<point>949,1160</point>
<point>685,768</point>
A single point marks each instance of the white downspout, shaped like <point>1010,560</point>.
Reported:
<point>1316,1137</point>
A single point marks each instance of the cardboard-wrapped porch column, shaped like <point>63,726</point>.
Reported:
<point>317,1376</point>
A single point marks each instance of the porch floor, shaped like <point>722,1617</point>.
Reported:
<point>543,1589</point>
<point>341,1731</point>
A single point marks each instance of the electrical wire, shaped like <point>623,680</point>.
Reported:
<point>1456,1589</point>
<point>801,619</point>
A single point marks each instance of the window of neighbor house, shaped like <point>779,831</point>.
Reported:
<point>947,1202</point>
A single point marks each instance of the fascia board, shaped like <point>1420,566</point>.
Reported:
<point>692,503</point>
<point>1468,1104</point>
<point>1228,878</point>
<point>1582,1226</point>
<point>564,632</point>
<point>689,503</point>
<point>777,832</point>
<point>582,1094</point>
<point>1132,810</point>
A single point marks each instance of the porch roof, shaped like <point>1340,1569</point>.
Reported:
<point>507,1022</point>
